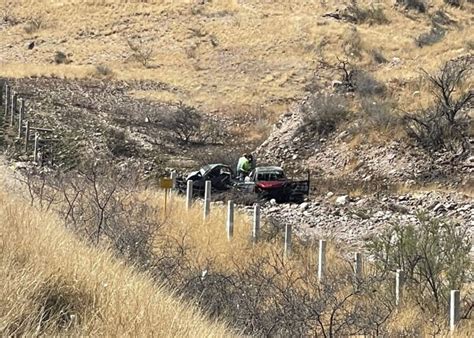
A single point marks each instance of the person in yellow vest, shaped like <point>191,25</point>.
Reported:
<point>244,166</point>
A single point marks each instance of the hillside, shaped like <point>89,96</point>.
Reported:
<point>52,283</point>
<point>230,56</point>
<point>372,100</point>
<point>95,278</point>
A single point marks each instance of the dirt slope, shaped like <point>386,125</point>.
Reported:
<point>223,56</point>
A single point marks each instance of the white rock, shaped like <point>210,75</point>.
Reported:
<point>304,206</point>
<point>329,194</point>
<point>273,201</point>
<point>342,200</point>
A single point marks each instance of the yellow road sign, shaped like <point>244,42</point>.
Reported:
<point>166,183</point>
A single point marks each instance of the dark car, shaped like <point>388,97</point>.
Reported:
<point>219,174</point>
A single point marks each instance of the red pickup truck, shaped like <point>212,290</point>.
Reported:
<point>272,183</point>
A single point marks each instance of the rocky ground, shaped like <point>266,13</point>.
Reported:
<point>395,161</point>
<point>353,199</point>
<point>356,190</point>
<point>92,118</point>
<point>351,220</point>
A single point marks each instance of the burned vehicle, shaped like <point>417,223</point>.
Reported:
<point>219,174</point>
<point>272,183</point>
<point>262,183</point>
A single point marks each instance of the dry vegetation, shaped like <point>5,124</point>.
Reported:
<point>52,283</point>
<point>254,287</point>
<point>229,56</point>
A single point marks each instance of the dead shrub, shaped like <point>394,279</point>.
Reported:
<point>418,5</point>
<point>322,114</point>
<point>445,126</point>
<point>189,126</point>
<point>373,15</point>
<point>103,70</point>
<point>34,24</point>
<point>7,16</point>
<point>184,123</point>
<point>352,43</point>
<point>119,144</point>
<point>357,80</point>
<point>378,57</point>
<point>61,58</point>
<point>455,3</point>
<point>142,51</point>
<point>365,84</point>
<point>435,35</point>
<point>379,115</point>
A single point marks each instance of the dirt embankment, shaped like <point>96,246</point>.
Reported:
<point>358,190</point>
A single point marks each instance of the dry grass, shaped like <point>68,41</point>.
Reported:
<point>208,245</point>
<point>53,284</point>
<point>222,54</point>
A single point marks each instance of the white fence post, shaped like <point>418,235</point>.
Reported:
<point>321,260</point>
<point>287,240</point>
<point>230,220</point>
<point>189,194</point>
<point>27,135</point>
<point>173,178</point>
<point>20,117</point>
<point>35,151</point>
<point>399,280</point>
<point>358,264</point>
<point>256,223</point>
<point>454,309</point>
<point>1,92</point>
<point>12,109</point>
<point>7,101</point>
<point>207,200</point>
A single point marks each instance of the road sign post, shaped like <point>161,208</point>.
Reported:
<point>166,184</point>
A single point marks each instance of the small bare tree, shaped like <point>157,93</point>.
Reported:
<point>185,122</point>
<point>141,51</point>
<point>445,125</point>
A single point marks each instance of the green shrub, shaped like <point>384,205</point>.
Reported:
<point>322,114</point>
<point>60,58</point>
<point>434,256</point>
<point>418,5</point>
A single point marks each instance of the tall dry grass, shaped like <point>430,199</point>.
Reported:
<point>208,247</point>
<point>52,283</point>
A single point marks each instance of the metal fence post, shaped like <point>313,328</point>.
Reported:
<point>230,220</point>
<point>2,89</point>
<point>20,118</point>
<point>321,260</point>
<point>35,151</point>
<point>454,309</point>
<point>287,240</point>
<point>256,223</point>
<point>358,264</point>
<point>7,101</point>
<point>12,109</point>
<point>27,135</point>
<point>399,280</point>
<point>189,194</point>
<point>207,200</point>
<point>173,179</point>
